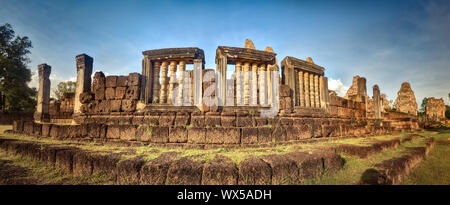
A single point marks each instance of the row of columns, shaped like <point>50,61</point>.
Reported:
<point>310,90</point>
<point>163,92</point>
<point>252,84</point>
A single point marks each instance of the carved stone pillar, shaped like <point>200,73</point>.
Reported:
<point>43,98</point>
<point>246,83</point>
<point>376,102</point>
<point>262,84</point>
<point>307,98</point>
<point>172,80</point>
<point>83,84</point>
<point>311,90</point>
<point>301,90</point>
<point>156,86</point>
<point>269,84</point>
<point>238,68</point>
<point>296,88</point>
<point>181,82</point>
<point>164,82</point>
<point>316,91</point>
<point>254,89</point>
<point>321,94</point>
<point>198,81</point>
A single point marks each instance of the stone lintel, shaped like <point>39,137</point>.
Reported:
<point>188,54</point>
<point>296,63</point>
<point>235,54</point>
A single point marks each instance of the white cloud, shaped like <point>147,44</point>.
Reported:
<point>337,86</point>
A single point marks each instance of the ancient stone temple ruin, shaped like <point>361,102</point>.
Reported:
<point>169,105</point>
<point>406,101</point>
<point>435,110</point>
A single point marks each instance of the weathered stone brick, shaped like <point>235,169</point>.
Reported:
<point>115,105</point>
<point>178,134</point>
<point>214,135</point>
<point>122,81</point>
<point>110,93</point>
<point>128,132</point>
<point>120,92</point>
<point>231,135</point>
<point>228,119</point>
<point>134,79</point>
<point>212,119</point>
<point>128,105</point>
<point>196,135</point>
<point>132,93</point>
<point>249,135</point>
<point>182,119</point>
<point>99,93</point>
<point>264,134</point>
<point>167,119</point>
<point>111,81</point>
<point>159,134</point>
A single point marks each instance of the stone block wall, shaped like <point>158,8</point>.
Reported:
<point>8,117</point>
<point>112,94</point>
<point>342,107</point>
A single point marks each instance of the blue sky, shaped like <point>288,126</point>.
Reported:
<point>388,42</point>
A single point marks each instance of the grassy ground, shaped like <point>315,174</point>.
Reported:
<point>354,166</point>
<point>21,171</point>
<point>433,170</point>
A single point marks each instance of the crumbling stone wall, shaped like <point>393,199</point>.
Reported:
<point>357,91</point>
<point>61,111</point>
<point>112,94</point>
<point>406,101</point>
<point>435,109</point>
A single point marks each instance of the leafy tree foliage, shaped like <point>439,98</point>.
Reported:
<point>64,87</point>
<point>14,74</point>
<point>422,106</point>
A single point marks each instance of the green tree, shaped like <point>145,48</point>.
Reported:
<point>64,87</point>
<point>14,73</point>
<point>447,112</point>
<point>422,106</point>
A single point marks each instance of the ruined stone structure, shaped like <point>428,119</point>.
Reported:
<point>406,101</point>
<point>83,84</point>
<point>357,90</point>
<point>42,108</point>
<point>435,110</point>
<point>306,82</point>
<point>171,106</point>
<point>61,111</point>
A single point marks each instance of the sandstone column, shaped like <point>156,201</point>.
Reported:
<point>163,91</point>
<point>321,93</point>
<point>172,80</point>
<point>300,88</point>
<point>83,84</point>
<point>198,81</point>
<point>316,91</point>
<point>238,83</point>
<point>307,98</point>
<point>376,102</point>
<point>254,100</point>
<point>311,90</point>
<point>246,83</point>
<point>325,93</point>
<point>269,83</point>
<point>156,86</point>
<point>43,98</point>
<point>262,85</point>
<point>181,82</point>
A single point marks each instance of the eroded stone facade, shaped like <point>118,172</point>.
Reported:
<point>435,109</point>
<point>406,101</point>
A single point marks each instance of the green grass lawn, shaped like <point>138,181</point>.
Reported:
<point>435,169</point>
